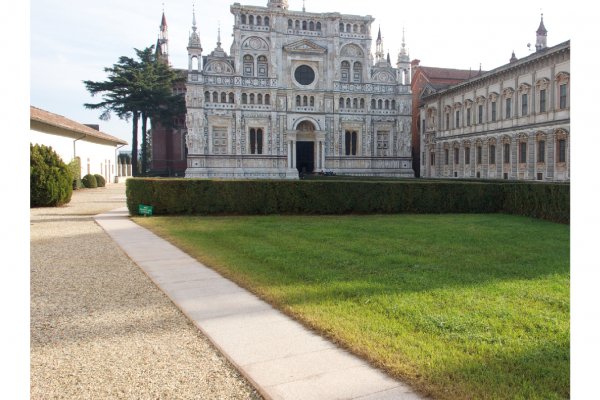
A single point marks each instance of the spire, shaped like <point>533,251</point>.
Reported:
<point>403,56</point>
<point>389,60</point>
<point>162,44</point>
<point>303,5</point>
<point>194,41</point>
<point>542,36</point>
<point>218,51</point>
<point>512,59</point>
<point>379,54</point>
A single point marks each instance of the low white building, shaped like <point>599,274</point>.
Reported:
<point>509,123</point>
<point>97,151</point>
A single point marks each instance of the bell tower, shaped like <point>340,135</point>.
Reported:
<point>194,47</point>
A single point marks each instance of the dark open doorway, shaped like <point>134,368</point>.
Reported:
<point>305,157</point>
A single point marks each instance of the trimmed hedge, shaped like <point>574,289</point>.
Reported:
<point>50,180</point>
<point>250,197</point>
<point>100,180</point>
<point>89,181</point>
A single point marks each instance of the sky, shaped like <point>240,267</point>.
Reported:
<point>51,46</point>
<point>73,41</point>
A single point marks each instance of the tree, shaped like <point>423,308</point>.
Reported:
<point>137,88</point>
<point>50,179</point>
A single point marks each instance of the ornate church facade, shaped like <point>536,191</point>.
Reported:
<point>299,93</point>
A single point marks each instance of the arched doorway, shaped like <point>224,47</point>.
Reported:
<point>305,148</point>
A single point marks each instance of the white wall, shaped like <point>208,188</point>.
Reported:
<point>95,158</point>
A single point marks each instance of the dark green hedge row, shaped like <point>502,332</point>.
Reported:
<point>204,197</point>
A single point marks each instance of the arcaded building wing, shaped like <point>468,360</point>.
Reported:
<point>299,92</point>
<point>509,123</point>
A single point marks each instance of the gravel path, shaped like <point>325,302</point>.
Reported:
<point>100,329</point>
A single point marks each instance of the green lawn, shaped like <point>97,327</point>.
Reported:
<point>458,306</point>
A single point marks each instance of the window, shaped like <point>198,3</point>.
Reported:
<point>522,152</point>
<point>311,26</point>
<point>312,101</point>
<point>432,159</point>
<point>383,139</point>
<point>351,138</point>
<point>215,97</point>
<point>243,19</point>
<point>524,106</point>
<point>263,67</point>
<point>506,153</point>
<point>318,26</point>
<point>341,102</point>
<point>223,97</point>
<point>467,155</point>
<point>259,99</point>
<point>446,156</point>
<point>563,96</point>
<point>305,101</point>
<point>562,150</point>
<point>480,112</point>
<point>299,101</point>
<point>267,21</point>
<point>290,24</point>
<point>448,121</point>
<point>468,117</point>
<point>244,98</point>
<point>251,20</point>
<point>541,156</point>
<point>479,154</point>
<point>256,141</point>
<point>543,100</point>
<point>508,107</point>
<point>207,97</point>
<point>456,156</point>
<point>492,154</point>
<point>304,75</point>
<point>357,73</point>
<point>267,99</point>
<point>457,120</point>
<point>493,111</point>
<point>248,65</point>
<point>259,20</point>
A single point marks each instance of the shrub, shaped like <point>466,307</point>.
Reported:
<point>89,181</point>
<point>50,180</point>
<point>100,180</point>
<point>75,168</point>
<point>197,196</point>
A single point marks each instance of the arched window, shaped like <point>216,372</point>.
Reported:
<point>251,20</point>
<point>244,19</point>
<point>373,105</point>
<point>350,142</point>
<point>263,67</point>
<point>348,103</point>
<point>223,97</point>
<point>363,29</point>
<point>252,98</point>
<point>341,27</point>
<point>231,98</point>
<point>318,27</point>
<point>267,99</point>
<point>244,98</point>
<point>341,102</point>
<point>298,101</point>
<point>305,101</point>
<point>267,21</point>
<point>259,20</point>
<point>195,64</point>
<point>345,71</point>
<point>304,26</point>
<point>312,101</point>
<point>290,24</point>
<point>259,99</point>
<point>207,97</point>
<point>348,28</point>
<point>256,141</point>
<point>297,25</point>
<point>357,73</point>
<point>355,103</point>
<point>355,28</point>
<point>311,26</point>
<point>393,104</point>
<point>215,97</point>
<point>362,103</point>
<point>380,104</point>
<point>387,104</point>
<point>248,65</point>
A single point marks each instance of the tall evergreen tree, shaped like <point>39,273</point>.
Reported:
<point>137,88</point>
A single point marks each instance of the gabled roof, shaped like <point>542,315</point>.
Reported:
<point>46,117</point>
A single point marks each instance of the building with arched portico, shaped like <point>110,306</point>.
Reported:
<point>299,92</point>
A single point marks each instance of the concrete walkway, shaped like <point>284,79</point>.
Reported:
<point>279,356</point>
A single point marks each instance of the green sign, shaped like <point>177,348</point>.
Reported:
<point>145,210</point>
